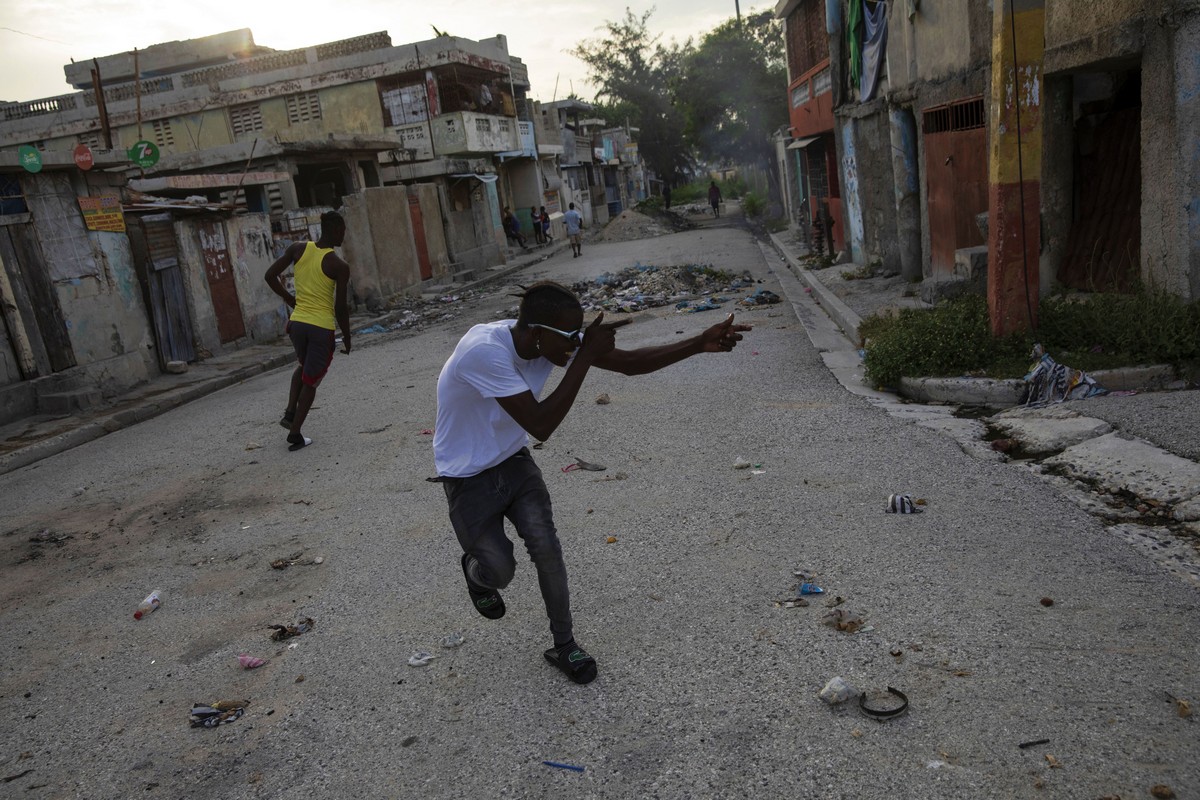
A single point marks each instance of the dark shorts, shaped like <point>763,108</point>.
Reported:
<point>314,349</point>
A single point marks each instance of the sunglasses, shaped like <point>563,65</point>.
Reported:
<point>574,337</point>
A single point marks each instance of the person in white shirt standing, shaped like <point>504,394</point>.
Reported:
<point>488,407</point>
<point>574,223</point>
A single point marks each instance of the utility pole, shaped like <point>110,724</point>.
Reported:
<point>737,7</point>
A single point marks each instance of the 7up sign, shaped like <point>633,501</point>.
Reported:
<point>144,154</point>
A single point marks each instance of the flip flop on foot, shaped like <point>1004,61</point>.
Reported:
<point>287,420</point>
<point>486,601</point>
<point>297,441</point>
<point>574,661</point>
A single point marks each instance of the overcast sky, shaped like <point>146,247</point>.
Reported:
<point>38,37</point>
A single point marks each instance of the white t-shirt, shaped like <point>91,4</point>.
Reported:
<point>573,220</point>
<point>473,432</point>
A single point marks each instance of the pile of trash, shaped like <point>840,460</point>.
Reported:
<point>647,286</point>
<point>414,313</point>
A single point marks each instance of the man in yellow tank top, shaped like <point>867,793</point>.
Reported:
<point>321,279</point>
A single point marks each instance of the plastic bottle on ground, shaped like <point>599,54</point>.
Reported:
<point>152,601</point>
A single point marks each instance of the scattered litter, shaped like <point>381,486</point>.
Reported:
<point>843,620</point>
<point>253,446</point>
<point>210,716</point>
<point>1050,382</point>
<point>897,651</point>
<point>876,712</point>
<point>611,540</point>
<point>452,640</point>
<point>902,504</point>
<point>427,432</point>
<point>936,764</point>
<point>1034,743</point>
<point>250,662</point>
<point>802,574</point>
<point>836,691</point>
<point>1047,601</point>
<point>810,588</point>
<point>46,536</point>
<point>603,400</point>
<point>758,472</point>
<point>371,329</point>
<point>1004,445</point>
<point>1162,791</point>
<point>149,605</point>
<point>584,465</point>
<point>296,559</point>
<point>288,631</point>
<point>420,658</point>
<point>741,463</point>
<point>1183,707</point>
<point>1053,762</point>
<point>557,765</point>
<point>799,602</point>
<point>761,297</point>
<point>835,601</point>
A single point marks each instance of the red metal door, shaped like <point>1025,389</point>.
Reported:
<point>221,284</point>
<point>418,232</point>
<point>956,165</point>
<point>957,174</point>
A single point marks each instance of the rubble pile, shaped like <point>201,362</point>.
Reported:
<point>645,286</point>
<point>630,225</point>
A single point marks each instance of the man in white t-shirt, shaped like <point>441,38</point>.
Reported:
<point>487,407</point>
<point>574,223</point>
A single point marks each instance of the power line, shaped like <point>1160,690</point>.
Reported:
<point>33,35</point>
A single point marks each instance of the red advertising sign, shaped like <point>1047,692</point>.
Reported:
<point>83,157</point>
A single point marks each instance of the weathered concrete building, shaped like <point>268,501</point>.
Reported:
<point>1043,145</point>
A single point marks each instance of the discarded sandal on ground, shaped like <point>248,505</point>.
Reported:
<point>574,661</point>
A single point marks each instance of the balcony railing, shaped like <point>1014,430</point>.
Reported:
<point>468,132</point>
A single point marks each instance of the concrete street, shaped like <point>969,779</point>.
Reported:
<point>708,684</point>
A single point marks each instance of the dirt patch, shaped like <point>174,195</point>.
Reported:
<point>630,225</point>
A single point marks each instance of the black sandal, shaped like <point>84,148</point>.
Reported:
<point>486,601</point>
<point>574,661</point>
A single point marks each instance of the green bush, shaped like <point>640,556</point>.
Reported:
<point>753,205</point>
<point>1089,332</point>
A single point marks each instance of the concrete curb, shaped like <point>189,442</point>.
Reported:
<point>837,310</point>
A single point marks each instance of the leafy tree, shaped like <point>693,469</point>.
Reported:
<point>732,90</point>
<point>634,74</point>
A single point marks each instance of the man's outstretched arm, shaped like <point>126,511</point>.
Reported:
<point>720,338</point>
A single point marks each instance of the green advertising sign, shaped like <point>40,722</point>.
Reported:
<point>144,154</point>
<point>30,158</point>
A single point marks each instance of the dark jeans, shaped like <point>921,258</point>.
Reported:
<point>512,489</point>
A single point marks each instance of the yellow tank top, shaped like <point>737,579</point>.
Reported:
<point>314,289</point>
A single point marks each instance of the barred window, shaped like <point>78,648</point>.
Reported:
<point>92,139</point>
<point>807,40</point>
<point>402,105</point>
<point>163,135</point>
<point>483,125</point>
<point>801,95</point>
<point>245,119</point>
<point>303,108</point>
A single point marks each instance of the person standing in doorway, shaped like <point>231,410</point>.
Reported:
<point>574,223</point>
<point>714,198</point>
<point>321,280</point>
<point>536,219</point>
<point>488,407</point>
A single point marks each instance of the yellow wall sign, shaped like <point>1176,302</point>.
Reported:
<point>102,213</point>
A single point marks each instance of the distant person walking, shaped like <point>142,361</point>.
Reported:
<point>714,198</point>
<point>544,221</point>
<point>574,223</point>
<point>321,279</point>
